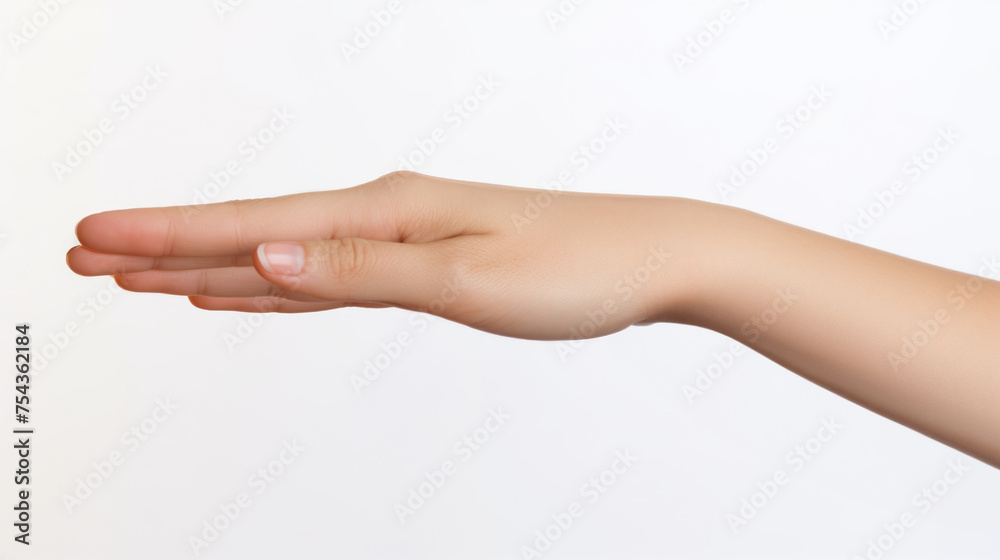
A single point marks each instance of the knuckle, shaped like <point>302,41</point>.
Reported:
<point>399,177</point>
<point>405,199</point>
<point>238,209</point>
<point>346,258</point>
<point>168,239</point>
<point>399,181</point>
<point>267,304</point>
<point>202,283</point>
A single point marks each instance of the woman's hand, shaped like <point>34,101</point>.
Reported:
<point>911,341</point>
<point>519,262</point>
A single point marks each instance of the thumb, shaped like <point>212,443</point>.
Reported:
<point>411,275</point>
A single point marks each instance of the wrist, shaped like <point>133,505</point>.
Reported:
<point>710,241</point>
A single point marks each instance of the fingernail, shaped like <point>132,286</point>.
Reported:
<point>285,259</point>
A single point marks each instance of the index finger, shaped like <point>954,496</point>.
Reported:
<point>225,228</point>
<point>395,207</point>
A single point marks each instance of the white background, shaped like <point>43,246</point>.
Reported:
<point>290,378</point>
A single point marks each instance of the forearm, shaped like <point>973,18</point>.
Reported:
<point>913,342</point>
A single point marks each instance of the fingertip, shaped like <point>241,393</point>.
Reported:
<point>100,232</point>
<point>261,265</point>
<point>84,230</point>
<point>121,281</point>
<point>280,262</point>
<point>138,232</point>
<point>76,260</point>
<point>68,253</point>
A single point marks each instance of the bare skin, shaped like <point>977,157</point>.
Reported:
<point>911,341</point>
